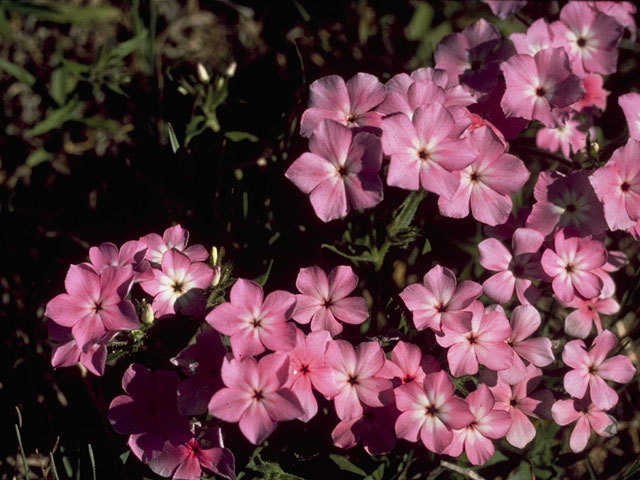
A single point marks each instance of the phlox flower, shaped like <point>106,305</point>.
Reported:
<point>566,138</point>
<point>424,150</point>
<point>176,287</point>
<point>504,8</point>
<point>578,323</point>
<point>407,364</point>
<point>588,416</point>
<point>487,423</point>
<point>430,411</point>
<point>148,411</point>
<point>66,352</point>
<point>94,304</point>
<point>440,300</point>
<point>573,265</point>
<point>538,37</point>
<point>256,396</point>
<point>486,184</point>
<point>521,401</point>
<point>514,270</point>
<point>478,340</point>
<point>595,95</point>
<point>590,369</point>
<point>538,85</point>
<point>253,322</point>
<point>131,253</point>
<point>340,171</point>
<point>324,300</point>
<point>630,104</point>
<point>623,12</point>
<point>174,237</point>
<point>350,104</point>
<point>374,427</point>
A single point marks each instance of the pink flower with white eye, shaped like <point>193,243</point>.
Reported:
<point>350,104</point>
<point>521,401</point>
<point>504,8</point>
<point>131,254</point>
<point>525,320</point>
<point>538,37</point>
<point>566,138</point>
<point>353,379</point>
<point>340,172</point>
<point>177,286</point>
<point>439,300</point>
<point>323,301</point>
<point>66,352</point>
<point>566,201</point>
<point>630,104</point>
<point>256,396</point>
<point>479,340</point>
<point>487,183</point>
<point>407,364</point>
<point>374,427</point>
<point>539,85</point>
<point>514,270</point>
<point>595,95</point>
<point>94,304</point>
<point>430,411</point>
<point>573,266</point>
<point>425,150</point>
<point>488,423</point>
<point>306,368</point>
<point>590,369</point>
<point>588,416</point>
<point>589,38</point>
<point>174,237</point>
<point>578,323</point>
<point>253,322</point>
<point>617,185</point>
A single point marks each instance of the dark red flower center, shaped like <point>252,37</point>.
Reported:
<point>513,402</point>
<point>474,177</point>
<point>353,380</point>
<point>407,379</point>
<point>257,394</point>
<point>540,92</point>
<point>423,155</point>
<point>178,287</point>
<point>430,410</point>
<point>582,42</point>
<point>441,308</point>
<point>352,118</point>
<point>304,369</point>
<point>343,172</point>
<point>472,339</point>
<point>256,323</point>
<point>568,268</point>
<point>97,307</point>
<point>625,187</point>
<point>571,208</point>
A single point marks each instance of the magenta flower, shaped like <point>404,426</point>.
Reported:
<point>566,138</point>
<point>324,301</point>
<point>538,37</point>
<point>514,270</point>
<point>254,322</point>
<point>148,411</point>
<point>340,171</point>
<point>617,185</point>
<point>353,378</point>
<point>407,364</point>
<point>440,300</point>
<point>537,85</point>
<point>350,104</point>
<point>201,362</point>
<point>623,12</point>
<point>173,237</point>
<point>588,416</point>
<point>479,340</point>
<point>424,150</point>
<point>94,304</point>
<point>131,254</point>
<point>487,423</point>
<point>430,411</point>
<point>590,369</point>
<point>630,104</point>
<point>521,401</point>
<point>255,396</point>
<point>578,323</point>
<point>66,352</point>
<point>487,183</point>
<point>374,427</point>
<point>177,286</point>
<point>573,265</point>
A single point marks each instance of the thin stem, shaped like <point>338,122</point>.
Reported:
<point>467,472</point>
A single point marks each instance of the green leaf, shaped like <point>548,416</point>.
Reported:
<point>17,71</point>
<point>523,472</point>
<point>497,457</point>
<point>62,12</point>
<point>92,460</point>
<point>426,248</point>
<point>27,470</point>
<point>58,117</point>
<point>377,474</point>
<point>236,136</point>
<point>365,257</point>
<point>344,464</point>
<point>420,22</point>
<point>125,456</point>
<point>37,157</point>
<point>262,279</point>
<point>173,139</point>
<point>63,82</point>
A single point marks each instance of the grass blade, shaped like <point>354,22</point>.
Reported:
<point>27,474</point>
<point>93,462</point>
<point>53,467</point>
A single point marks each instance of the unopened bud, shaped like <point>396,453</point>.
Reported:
<point>182,90</point>
<point>219,83</point>
<point>231,69</point>
<point>147,314</point>
<point>217,274</point>
<point>203,75</point>
<point>214,256</point>
<point>594,148</point>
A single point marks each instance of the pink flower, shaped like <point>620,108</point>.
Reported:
<point>514,271</point>
<point>623,12</point>
<point>487,183</point>
<point>430,411</point>
<point>617,185</point>
<point>407,364</point>
<point>504,8</point>
<point>324,301</point>
<point>440,300</point>
<point>254,322</point>
<point>340,171</point>
<point>173,237</point>
<point>488,423</point>
<point>538,37</point>
<point>66,352</point>
<point>578,323</point>
<point>131,254</point>
<point>255,395</point>
<point>573,266</point>
<point>177,286</point>
<point>349,104</point>
<point>630,104</point>
<point>566,138</point>
<point>479,340</point>
<point>148,412</point>
<point>424,150</point>
<point>374,427</point>
<point>588,415</point>
<point>94,304</point>
<point>595,95</point>
<point>522,401</point>
<point>353,378</point>
<point>590,369</point>
<point>537,85</point>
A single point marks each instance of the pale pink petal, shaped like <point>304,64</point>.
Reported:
<point>522,430</point>
<point>602,395</point>
<point>229,404</point>
<point>462,360</point>
<point>580,435</point>
<point>256,424</point>
<point>499,287</point>
<point>352,310</point>
<point>493,255</point>
<point>618,368</point>
<point>576,383</point>
<point>342,281</point>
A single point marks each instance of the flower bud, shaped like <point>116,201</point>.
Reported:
<point>203,75</point>
<point>217,274</point>
<point>231,69</point>
<point>147,314</point>
<point>214,256</point>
